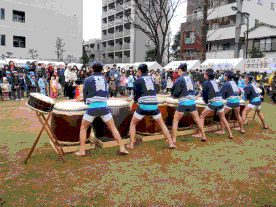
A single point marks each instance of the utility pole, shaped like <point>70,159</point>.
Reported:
<point>204,30</point>
<point>238,29</point>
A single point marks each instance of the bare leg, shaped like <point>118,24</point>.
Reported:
<point>199,123</point>
<point>111,125</point>
<point>225,122</point>
<point>176,119</point>
<point>84,127</point>
<point>132,132</point>
<point>205,113</point>
<point>238,116</point>
<point>165,131</point>
<point>245,112</point>
<point>222,131</point>
<point>262,119</point>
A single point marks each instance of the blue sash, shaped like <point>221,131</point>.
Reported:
<point>188,103</point>
<point>97,105</point>
<point>33,83</point>
<point>148,107</point>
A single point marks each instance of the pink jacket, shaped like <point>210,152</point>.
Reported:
<point>123,81</point>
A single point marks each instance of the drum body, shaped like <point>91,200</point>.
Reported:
<point>186,121</point>
<point>121,113</point>
<point>148,125</point>
<point>212,118</point>
<point>66,121</point>
<point>41,102</point>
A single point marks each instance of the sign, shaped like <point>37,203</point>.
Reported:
<point>260,64</point>
<point>218,66</point>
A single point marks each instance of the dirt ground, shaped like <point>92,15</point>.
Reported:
<point>220,172</point>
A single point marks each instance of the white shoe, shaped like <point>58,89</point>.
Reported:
<point>22,99</point>
<point>17,99</point>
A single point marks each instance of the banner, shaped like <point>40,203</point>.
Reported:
<point>260,64</point>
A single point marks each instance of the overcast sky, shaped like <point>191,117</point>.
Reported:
<point>92,12</point>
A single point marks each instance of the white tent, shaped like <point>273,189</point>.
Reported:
<point>192,64</point>
<point>79,66</point>
<point>223,64</point>
<point>151,65</point>
<point>126,66</point>
<point>2,63</point>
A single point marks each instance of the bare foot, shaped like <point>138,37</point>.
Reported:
<point>237,128</point>
<point>196,135</point>
<point>130,146</point>
<point>231,136</point>
<point>242,131</point>
<point>172,146</point>
<point>220,132</point>
<point>80,153</point>
<point>203,139</point>
<point>174,140</point>
<point>123,150</point>
<point>266,127</point>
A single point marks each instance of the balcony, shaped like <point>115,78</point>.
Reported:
<point>118,47</point>
<point>127,4</point>
<point>119,21</point>
<point>126,32</point>
<point>119,7</point>
<point>110,36</point>
<point>104,25</point>
<point>104,13</point>
<point>111,23</point>
<point>111,11</point>
<point>193,17</point>
<point>105,37</point>
<point>127,46</point>
<point>110,48</point>
<point>118,60</point>
<point>103,49</point>
<point>118,34</point>
<point>126,60</point>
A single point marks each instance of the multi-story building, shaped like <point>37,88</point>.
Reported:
<point>120,42</point>
<point>93,50</point>
<point>29,24</point>
<point>224,25</point>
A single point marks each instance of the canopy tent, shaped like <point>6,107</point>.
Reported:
<point>79,66</point>
<point>260,64</point>
<point>151,65</point>
<point>126,66</point>
<point>192,64</point>
<point>57,63</point>
<point>2,63</point>
<point>223,64</point>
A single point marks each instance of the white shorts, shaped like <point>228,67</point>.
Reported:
<point>89,118</point>
<point>140,117</point>
<point>254,106</point>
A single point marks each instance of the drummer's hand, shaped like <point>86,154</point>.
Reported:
<point>240,97</point>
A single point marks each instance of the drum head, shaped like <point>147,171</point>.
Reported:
<point>200,101</point>
<point>70,106</point>
<point>43,98</point>
<point>161,100</point>
<point>172,101</point>
<point>117,103</point>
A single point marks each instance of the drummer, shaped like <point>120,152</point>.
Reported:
<point>231,92</point>
<point>95,94</point>
<point>212,97</point>
<point>252,94</point>
<point>184,90</point>
<point>145,95</point>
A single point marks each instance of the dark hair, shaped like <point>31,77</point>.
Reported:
<point>143,68</point>
<point>97,68</point>
<point>250,78</point>
<point>115,65</point>
<point>183,67</point>
<point>39,64</point>
<point>211,77</point>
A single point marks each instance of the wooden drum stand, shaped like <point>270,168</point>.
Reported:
<point>45,125</point>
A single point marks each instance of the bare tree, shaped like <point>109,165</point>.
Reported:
<point>8,55</point>
<point>33,54</point>
<point>70,59</point>
<point>59,49</point>
<point>153,18</point>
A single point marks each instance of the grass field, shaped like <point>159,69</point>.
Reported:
<point>220,172</point>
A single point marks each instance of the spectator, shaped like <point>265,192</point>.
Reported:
<point>175,75</point>
<point>169,84</point>
<point>32,84</point>
<point>116,75</point>
<point>61,79</point>
<point>157,82</point>
<point>6,89</point>
<point>112,87</point>
<point>123,84</point>
<point>53,87</point>
<point>42,83</point>
<point>130,84</point>
<point>163,85</point>
<point>72,78</point>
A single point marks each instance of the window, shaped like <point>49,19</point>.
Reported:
<point>192,37</point>
<point>2,14</point>
<point>273,44</point>
<point>148,41</point>
<point>272,6</point>
<point>257,22</point>
<point>2,40</point>
<point>19,41</point>
<point>18,16</point>
<point>262,45</point>
<point>260,2</point>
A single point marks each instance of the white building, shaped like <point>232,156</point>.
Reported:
<point>120,42</point>
<point>36,24</point>
<point>93,49</point>
<point>223,24</point>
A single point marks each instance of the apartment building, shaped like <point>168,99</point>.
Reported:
<point>120,42</point>
<point>224,24</point>
<point>29,24</point>
<point>93,50</point>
